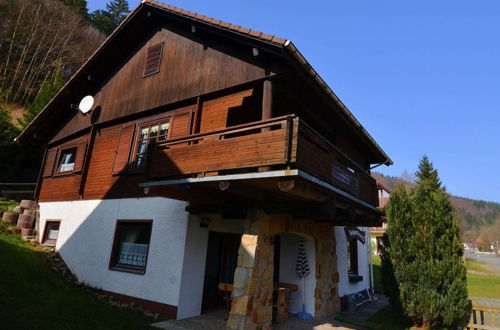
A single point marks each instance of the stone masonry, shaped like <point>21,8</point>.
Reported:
<point>252,295</point>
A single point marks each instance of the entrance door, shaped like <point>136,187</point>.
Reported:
<point>222,256</point>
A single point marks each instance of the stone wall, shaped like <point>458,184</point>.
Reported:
<point>252,295</point>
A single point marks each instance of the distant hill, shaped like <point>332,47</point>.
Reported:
<point>478,219</point>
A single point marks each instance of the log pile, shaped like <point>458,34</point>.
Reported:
<point>23,216</point>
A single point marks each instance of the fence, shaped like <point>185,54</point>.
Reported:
<point>484,317</point>
<point>17,190</point>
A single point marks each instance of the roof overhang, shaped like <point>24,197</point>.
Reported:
<point>317,191</point>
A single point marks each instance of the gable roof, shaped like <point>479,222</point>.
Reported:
<point>280,43</point>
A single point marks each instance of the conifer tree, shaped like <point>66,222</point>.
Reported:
<point>425,254</point>
<point>107,20</point>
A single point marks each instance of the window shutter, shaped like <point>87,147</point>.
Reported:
<point>50,159</point>
<point>153,59</point>
<point>181,124</point>
<point>123,149</point>
<point>80,156</point>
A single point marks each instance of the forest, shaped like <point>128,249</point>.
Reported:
<point>42,44</point>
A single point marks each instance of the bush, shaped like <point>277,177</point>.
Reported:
<point>423,254</point>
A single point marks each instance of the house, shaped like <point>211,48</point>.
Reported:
<point>210,152</point>
<point>376,233</point>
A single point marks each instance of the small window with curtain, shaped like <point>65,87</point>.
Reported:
<point>149,133</point>
<point>131,246</point>
<point>67,160</point>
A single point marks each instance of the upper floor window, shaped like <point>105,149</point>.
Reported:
<point>67,160</point>
<point>149,133</point>
<point>153,59</point>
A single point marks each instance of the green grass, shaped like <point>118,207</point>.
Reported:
<point>5,204</point>
<point>386,318</point>
<point>377,275</point>
<point>479,286</point>
<point>477,266</point>
<point>483,286</point>
<point>33,296</point>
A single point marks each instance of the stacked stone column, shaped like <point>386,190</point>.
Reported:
<point>252,296</point>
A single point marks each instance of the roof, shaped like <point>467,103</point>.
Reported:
<point>269,39</point>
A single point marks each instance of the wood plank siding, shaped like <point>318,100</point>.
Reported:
<point>187,69</point>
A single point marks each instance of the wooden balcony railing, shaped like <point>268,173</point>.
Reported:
<point>282,142</point>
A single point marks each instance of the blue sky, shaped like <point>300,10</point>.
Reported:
<point>423,77</point>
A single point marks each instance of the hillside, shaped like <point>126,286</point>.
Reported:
<point>477,219</point>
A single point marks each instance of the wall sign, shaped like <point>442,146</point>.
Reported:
<point>355,233</point>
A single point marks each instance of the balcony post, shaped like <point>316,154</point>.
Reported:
<point>267,100</point>
<point>267,110</point>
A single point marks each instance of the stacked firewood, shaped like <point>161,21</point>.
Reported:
<point>23,216</point>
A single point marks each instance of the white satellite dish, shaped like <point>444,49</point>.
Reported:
<point>86,104</point>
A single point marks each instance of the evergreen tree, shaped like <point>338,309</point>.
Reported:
<point>107,20</point>
<point>425,254</point>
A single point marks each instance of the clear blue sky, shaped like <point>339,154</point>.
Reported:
<point>423,77</point>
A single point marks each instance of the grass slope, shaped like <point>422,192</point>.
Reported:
<point>33,296</point>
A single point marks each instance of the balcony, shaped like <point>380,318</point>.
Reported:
<point>279,147</point>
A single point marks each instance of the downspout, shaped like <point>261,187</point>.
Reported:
<point>370,262</point>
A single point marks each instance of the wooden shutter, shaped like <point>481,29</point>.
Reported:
<point>123,149</point>
<point>153,59</point>
<point>50,159</point>
<point>80,156</point>
<point>181,124</point>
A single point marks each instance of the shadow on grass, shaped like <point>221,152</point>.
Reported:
<point>33,296</point>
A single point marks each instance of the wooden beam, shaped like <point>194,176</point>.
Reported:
<point>267,110</point>
<point>267,99</point>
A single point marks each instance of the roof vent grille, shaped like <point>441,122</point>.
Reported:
<point>153,59</point>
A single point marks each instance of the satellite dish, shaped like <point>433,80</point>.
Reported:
<point>86,104</point>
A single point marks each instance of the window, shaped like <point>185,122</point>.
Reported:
<point>149,133</point>
<point>153,59</point>
<point>131,245</point>
<point>352,257</point>
<point>51,232</point>
<point>67,160</point>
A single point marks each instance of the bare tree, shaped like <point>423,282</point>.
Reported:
<point>39,39</point>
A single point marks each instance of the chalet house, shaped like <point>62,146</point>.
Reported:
<point>210,151</point>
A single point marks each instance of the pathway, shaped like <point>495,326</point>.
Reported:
<point>215,320</point>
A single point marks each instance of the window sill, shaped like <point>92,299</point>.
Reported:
<point>355,278</point>
<point>128,270</point>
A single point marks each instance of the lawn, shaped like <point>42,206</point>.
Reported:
<point>33,296</point>
<point>482,286</point>
<point>477,266</point>
<point>5,204</point>
<point>479,286</point>
<point>377,275</point>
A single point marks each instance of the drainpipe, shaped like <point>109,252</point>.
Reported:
<point>370,263</point>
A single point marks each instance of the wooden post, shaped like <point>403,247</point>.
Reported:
<point>267,101</point>
<point>267,110</point>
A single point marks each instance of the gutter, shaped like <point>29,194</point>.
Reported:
<point>301,59</point>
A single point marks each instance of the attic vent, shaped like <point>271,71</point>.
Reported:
<point>153,60</point>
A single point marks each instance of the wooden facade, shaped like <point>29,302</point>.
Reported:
<point>228,109</point>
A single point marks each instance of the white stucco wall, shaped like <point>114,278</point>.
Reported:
<point>345,287</point>
<point>86,236</point>
<point>193,272</point>
<point>289,244</point>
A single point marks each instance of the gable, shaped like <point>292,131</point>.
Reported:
<point>187,69</point>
